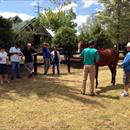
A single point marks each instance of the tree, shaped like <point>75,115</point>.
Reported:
<point>54,20</point>
<point>61,18</point>
<point>15,19</point>
<point>115,17</point>
<point>65,37</point>
<point>92,29</point>
<point>6,35</point>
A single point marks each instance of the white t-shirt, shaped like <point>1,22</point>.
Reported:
<point>3,57</point>
<point>15,57</point>
<point>58,54</point>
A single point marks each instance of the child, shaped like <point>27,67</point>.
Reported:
<point>3,61</point>
<point>55,60</point>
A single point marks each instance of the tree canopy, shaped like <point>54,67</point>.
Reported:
<point>6,35</point>
<point>115,17</point>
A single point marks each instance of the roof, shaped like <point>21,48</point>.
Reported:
<point>31,26</point>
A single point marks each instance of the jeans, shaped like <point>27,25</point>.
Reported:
<point>15,68</point>
<point>46,65</point>
<point>58,67</point>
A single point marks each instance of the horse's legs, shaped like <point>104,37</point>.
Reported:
<point>114,74</point>
<point>96,76</point>
<point>111,69</point>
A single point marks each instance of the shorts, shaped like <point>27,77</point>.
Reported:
<point>126,78</point>
<point>3,69</point>
<point>29,65</point>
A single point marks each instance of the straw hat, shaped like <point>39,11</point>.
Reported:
<point>128,44</point>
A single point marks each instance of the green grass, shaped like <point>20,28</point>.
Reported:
<point>55,103</point>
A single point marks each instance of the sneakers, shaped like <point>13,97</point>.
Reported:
<point>92,94</point>
<point>124,94</point>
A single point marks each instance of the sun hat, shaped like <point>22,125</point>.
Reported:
<point>46,44</point>
<point>128,44</point>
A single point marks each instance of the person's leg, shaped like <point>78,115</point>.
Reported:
<point>92,73</point>
<point>18,70</point>
<point>126,78</point>
<point>1,77</point>
<point>26,65</point>
<point>53,68</point>
<point>13,65</point>
<point>30,68</point>
<point>48,65</point>
<point>85,74</point>
<point>45,66</point>
<point>58,68</point>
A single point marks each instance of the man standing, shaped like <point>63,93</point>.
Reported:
<point>28,54</point>
<point>47,57</point>
<point>126,67</point>
<point>90,55</point>
<point>15,54</point>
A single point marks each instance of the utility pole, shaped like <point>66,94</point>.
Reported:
<point>37,8</point>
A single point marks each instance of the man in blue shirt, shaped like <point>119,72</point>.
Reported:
<point>90,56</point>
<point>126,67</point>
<point>47,57</point>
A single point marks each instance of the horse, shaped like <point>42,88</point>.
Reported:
<point>108,57</point>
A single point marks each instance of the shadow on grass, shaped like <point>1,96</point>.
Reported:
<point>44,87</point>
<point>109,88</point>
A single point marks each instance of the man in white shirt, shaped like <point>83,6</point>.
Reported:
<point>15,54</point>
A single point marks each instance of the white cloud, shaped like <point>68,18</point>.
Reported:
<point>67,7</point>
<point>34,3</point>
<point>88,3</point>
<point>80,19</point>
<point>13,14</point>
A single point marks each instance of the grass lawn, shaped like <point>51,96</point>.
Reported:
<point>55,103</point>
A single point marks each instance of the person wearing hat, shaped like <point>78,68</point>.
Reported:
<point>126,68</point>
<point>47,57</point>
<point>3,62</point>
<point>28,53</point>
<point>90,55</point>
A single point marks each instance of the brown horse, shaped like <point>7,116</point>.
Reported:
<point>108,57</point>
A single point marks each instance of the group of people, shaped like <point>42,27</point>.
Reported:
<point>51,57</point>
<point>15,56</point>
<point>91,56</point>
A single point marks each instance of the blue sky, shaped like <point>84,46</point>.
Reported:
<point>26,9</point>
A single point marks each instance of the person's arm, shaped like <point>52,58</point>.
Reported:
<point>82,54</point>
<point>126,61</point>
<point>20,53</point>
<point>11,52</point>
<point>97,56</point>
<point>7,58</point>
<point>44,52</point>
<point>33,52</point>
<point>58,53</point>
